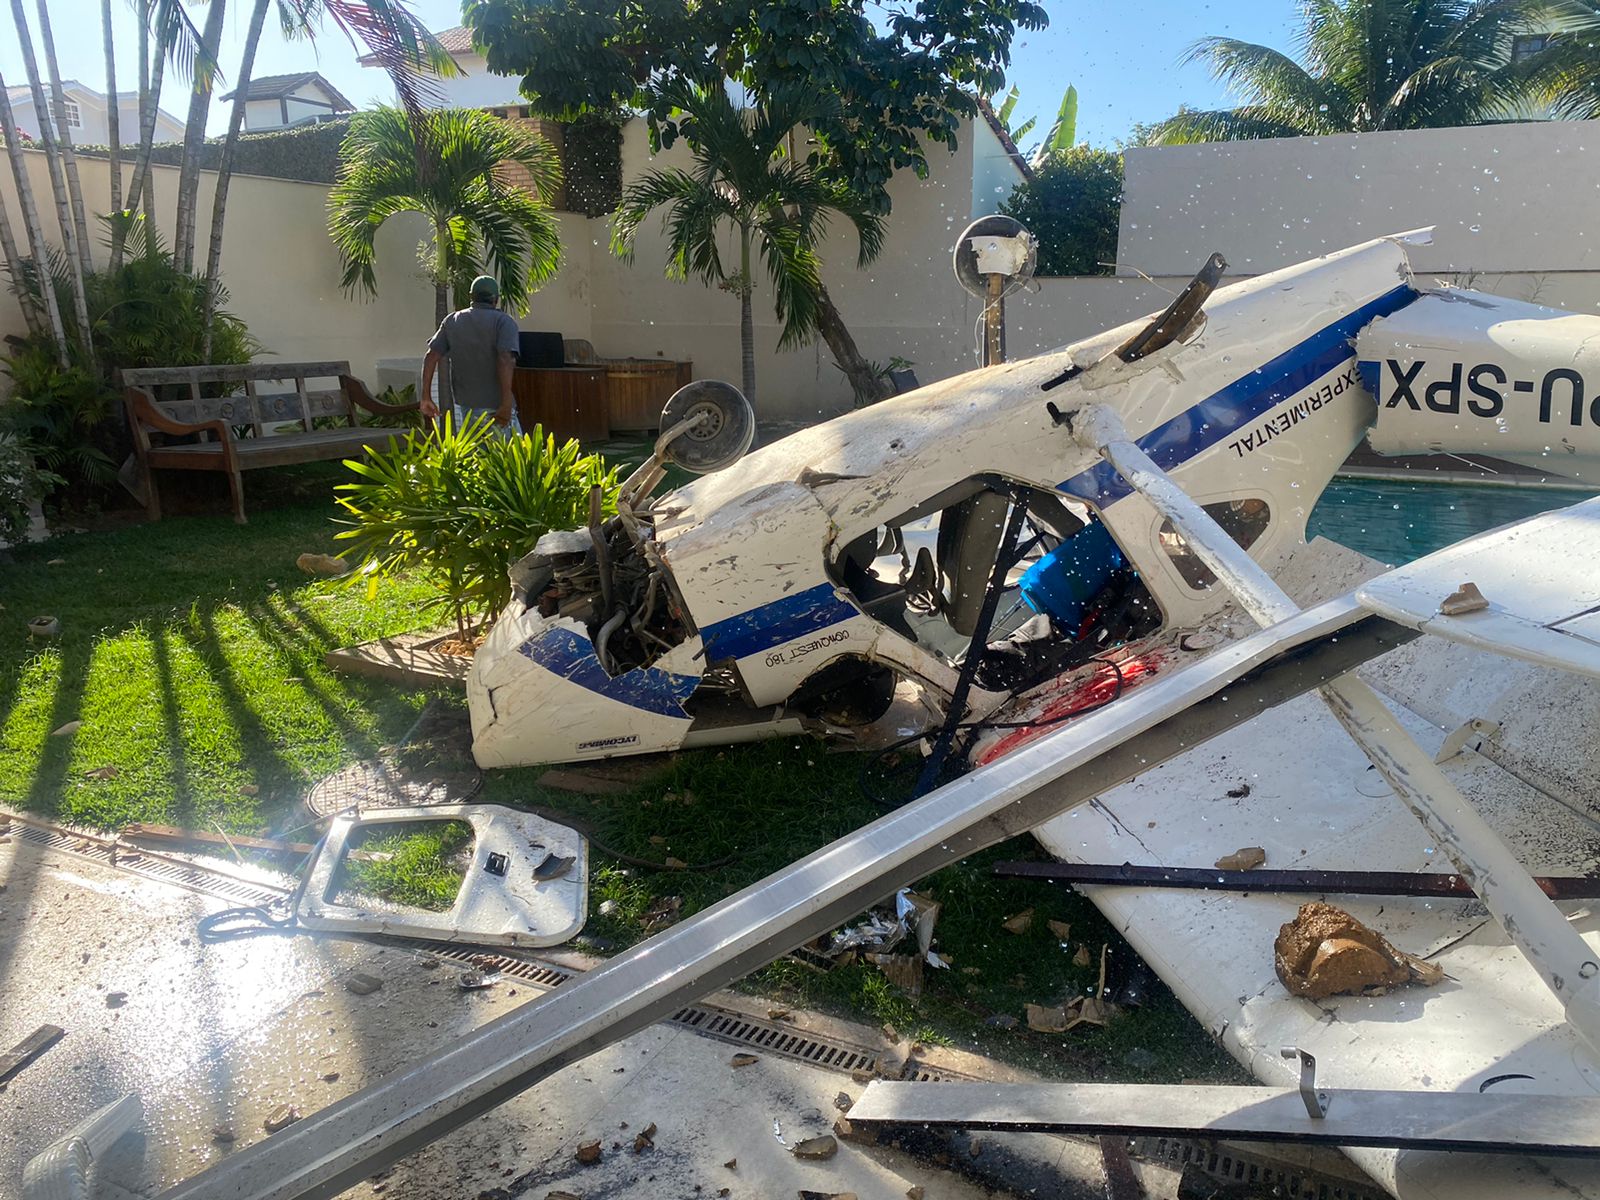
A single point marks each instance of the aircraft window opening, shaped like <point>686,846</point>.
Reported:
<point>1068,592</point>
<point>1244,520</point>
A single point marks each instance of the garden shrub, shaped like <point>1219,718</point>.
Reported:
<point>460,504</point>
<point>1072,205</point>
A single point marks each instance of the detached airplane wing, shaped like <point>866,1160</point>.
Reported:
<point>1539,583</point>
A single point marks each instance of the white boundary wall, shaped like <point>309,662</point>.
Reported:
<point>1506,201</point>
<point>282,273</point>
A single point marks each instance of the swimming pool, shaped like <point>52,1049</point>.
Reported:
<point>1394,521</point>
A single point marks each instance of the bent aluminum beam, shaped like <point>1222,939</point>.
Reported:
<point>1556,951</point>
<point>1493,1123</point>
<point>331,1150</point>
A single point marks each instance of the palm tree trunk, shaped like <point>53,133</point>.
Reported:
<point>113,126</point>
<point>868,385</point>
<point>747,333</point>
<point>30,221</point>
<point>69,160</point>
<point>57,182</point>
<point>219,201</point>
<point>441,273</point>
<point>14,269</point>
<point>150,77</point>
<point>194,134</point>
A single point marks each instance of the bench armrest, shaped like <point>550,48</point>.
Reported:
<point>143,412</point>
<point>357,391</point>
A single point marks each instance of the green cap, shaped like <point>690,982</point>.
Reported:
<point>485,287</point>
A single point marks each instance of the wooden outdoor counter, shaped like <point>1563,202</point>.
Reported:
<point>569,402</point>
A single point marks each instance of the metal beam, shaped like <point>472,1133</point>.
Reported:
<point>331,1150</point>
<point>1317,883</point>
<point>1492,1123</point>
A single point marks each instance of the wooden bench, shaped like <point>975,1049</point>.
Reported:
<point>229,418</point>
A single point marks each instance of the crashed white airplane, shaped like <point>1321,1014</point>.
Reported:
<point>1186,652</point>
<point>786,590</point>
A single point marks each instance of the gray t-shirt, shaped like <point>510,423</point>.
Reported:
<point>474,339</point>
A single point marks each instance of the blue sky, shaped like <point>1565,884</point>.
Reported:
<point>1122,57</point>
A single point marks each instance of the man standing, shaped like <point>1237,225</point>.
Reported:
<point>481,344</point>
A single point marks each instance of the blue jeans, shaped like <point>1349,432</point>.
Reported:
<point>510,430</point>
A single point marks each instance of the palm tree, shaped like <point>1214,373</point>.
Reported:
<point>746,182</point>
<point>38,250</point>
<point>1367,65</point>
<point>1567,71</point>
<point>194,133</point>
<point>113,120</point>
<point>455,167</point>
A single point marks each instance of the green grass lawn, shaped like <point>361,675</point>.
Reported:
<point>191,651</point>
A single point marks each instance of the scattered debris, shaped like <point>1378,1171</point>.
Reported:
<point>140,831</point>
<point>1042,1019</point>
<point>560,1195</point>
<point>1325,951</point>
<point>904,971</point>
<point>674,864</point>
<point>67,730</point>
<point>472,981</point>
<point>44,627</point>
<point>553,866</point>
<point>281,1117</point>
<point>1233,793</point>
<point>915,1192</point>
<point>1246,858</point>
<point>816,1148</point>
<point>893,1034</point>
<point>645,1139</point>
<point>1081,958</point>
<point>1060,929</point>
<point>780,1014</point>
<point>362,984</point>
<point>588,1152</point>
<point>583,783</point>
<point>1018,923</point>
<point>662,913</point>
<point>742,1060</point>
<point>809,1195</point>
<point>102,772</point>
<point>863,1074</point>
<point>1465,599</point>
<point>116,999</point>
<point>223,1134</point>
<point>322,564</point>
<point>331,1077</point>
<point>843,1102</point>
<point>608,908</point>
<point>732,1164</point>
<point>847,1132</point>
<point>28,1049</point>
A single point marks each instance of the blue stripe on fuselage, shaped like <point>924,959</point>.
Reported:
<point>562,652</point>
<point>776,623</point>
<point>1242,401</point>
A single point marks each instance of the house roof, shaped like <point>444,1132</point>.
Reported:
<point>22,94</point>
<point>1006,144</point>
<point>455,40</point>
<point>275,87</point>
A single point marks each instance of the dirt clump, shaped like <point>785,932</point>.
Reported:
<point>1325,951</point>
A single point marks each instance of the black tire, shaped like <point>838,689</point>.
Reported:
<point>714,444</point>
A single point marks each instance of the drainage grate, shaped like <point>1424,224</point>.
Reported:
<point>1229,1164</point>
<point>773,1038</point>
<point>150,864</point>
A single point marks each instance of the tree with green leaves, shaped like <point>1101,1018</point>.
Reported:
<point>746,181</point>
<point>1060,137</point>
<point>899,89</point>
<point>1367,65</point>
<point>450,165</point>
<point>1072,205</point>
<point>896,91</point>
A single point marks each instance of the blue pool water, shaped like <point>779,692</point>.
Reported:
<point>1395,522</point>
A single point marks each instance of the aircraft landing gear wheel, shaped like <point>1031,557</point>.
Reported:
<point>727,428</point>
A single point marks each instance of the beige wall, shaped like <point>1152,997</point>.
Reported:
<point>1503,198</point>
<point>907,303</point>
<point>283,275</point>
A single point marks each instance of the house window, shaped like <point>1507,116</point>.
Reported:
<point>74,117</point>
<point>1526,45</point>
